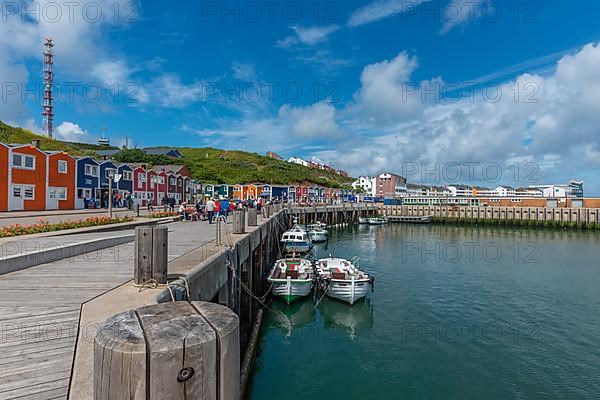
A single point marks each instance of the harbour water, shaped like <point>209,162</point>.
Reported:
<point>456,313</point>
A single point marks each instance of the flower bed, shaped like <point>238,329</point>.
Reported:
<point>164,214</point>
<point>43,226</point>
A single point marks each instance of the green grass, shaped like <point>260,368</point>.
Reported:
<point>207,164</point>
<point>232,167</point>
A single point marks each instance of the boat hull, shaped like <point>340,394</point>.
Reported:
<point>298,247</point>
<point>318,237</point>
<point>291,290</point>
<point>346,290</point>
<point>363,221</point>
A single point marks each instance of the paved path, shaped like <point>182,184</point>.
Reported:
<point>40,310</point>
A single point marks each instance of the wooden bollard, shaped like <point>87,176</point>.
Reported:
<point>151,254</point>
<point>169,351</point>
<point>252,217</point>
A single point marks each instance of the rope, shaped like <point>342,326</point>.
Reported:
<point>176,284</point>
<point>323,296</point>
<point>243,285</point>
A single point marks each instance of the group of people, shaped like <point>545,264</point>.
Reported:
<point>215,208</point>
<point>118,200</point>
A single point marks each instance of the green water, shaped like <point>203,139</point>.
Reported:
<point>456,313</point>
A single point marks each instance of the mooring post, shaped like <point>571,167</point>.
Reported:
<point>252,217</point>
<point>239,222</point>
<point>151,255</point>
<point>172,351</point>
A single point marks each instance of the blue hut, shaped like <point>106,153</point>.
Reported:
<point>88,183</point>
<point>125,184</point>
<point>279,193</point>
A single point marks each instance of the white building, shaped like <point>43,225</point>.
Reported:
<point>572,189</point>
<point>504,191</point>
<point>366,183</point>
<point>299,161</point>
<point>529,192</point>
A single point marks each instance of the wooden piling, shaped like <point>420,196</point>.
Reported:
<point>170,351</point>
<point>151,254</point>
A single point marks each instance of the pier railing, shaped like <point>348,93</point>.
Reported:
<point>560,216</point>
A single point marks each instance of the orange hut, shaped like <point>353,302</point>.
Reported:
<point>61,181</point>
<point>4,151</point>
<point>27,178</point>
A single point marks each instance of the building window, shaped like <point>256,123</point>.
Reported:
<point>109,173</point>
<point>23,161</point>
<point>61,193</point>
<point>127,176</point>
<point>62,167</point>
<point>29,192</point>
<point>17,192</point>
<point>91,170</point>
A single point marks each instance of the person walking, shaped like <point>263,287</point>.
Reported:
<point>210,210</point>
<point>183,211</point>
<point>224,207</point>
<point>217,209</point>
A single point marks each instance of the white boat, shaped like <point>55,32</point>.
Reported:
<point>292,278</point>
<point>296,241</point>
<point>317,234</point>
<point>363,220</point>
<point>341,279</point>
<point>377,221</point>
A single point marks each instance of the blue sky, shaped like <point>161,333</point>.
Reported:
<point>416,87</point>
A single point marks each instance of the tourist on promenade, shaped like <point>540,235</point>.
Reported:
<point>224,207</point>
<point>217,208</point>
<point>183,211</point>
<point>210,210</point>
<point>172,203</point>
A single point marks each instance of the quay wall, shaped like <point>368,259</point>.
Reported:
<point>235,276</point>
<point>563,217</point>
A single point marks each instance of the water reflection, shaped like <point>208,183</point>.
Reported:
<point>294,316</point>
<point>352,319</point>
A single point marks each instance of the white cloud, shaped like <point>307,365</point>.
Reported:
<point>314,121</point>
<point>169,91</point>
<point>244,72</point>
<point>111,72</point>
<point>308,36</point>
<point>379,10</point>
<point>72,132</point>
<point>387,94</point>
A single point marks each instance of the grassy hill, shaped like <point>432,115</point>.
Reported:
<point>12,135</point>
<point>231,167</point>
<point>207,164</point>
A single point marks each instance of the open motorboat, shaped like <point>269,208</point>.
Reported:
<point>317,234</point>
<point>426,219</point>
<point>292,278</point>
<point>377,221</point>
<point>342,279</point>
<point>296,240</point>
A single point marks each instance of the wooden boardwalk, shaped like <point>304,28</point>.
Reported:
<point>40,310</point>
